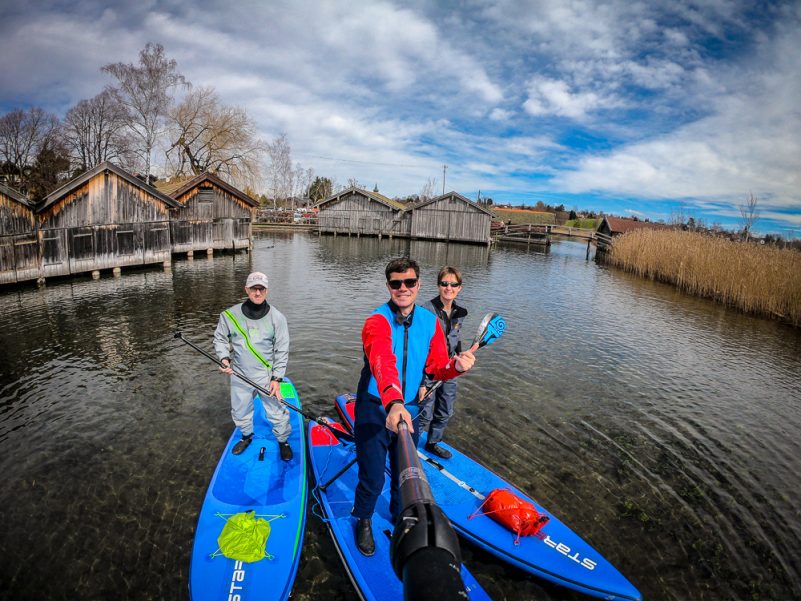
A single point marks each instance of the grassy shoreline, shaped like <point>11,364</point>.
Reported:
<point>756,279</point>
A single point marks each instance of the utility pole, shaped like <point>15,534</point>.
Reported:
<point>444,167</point>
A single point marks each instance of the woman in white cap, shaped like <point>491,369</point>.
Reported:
<point>254,337</point>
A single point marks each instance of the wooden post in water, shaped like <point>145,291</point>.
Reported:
<point>587,258</point>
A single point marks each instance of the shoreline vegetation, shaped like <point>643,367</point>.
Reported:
<point>757,279</point>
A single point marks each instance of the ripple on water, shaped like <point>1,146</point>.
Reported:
<point>662,429</point>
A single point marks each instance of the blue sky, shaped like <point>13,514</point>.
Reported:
<point>634,108</point>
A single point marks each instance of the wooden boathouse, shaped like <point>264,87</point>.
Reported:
<point>213,214</point>
<point>452,218</point>
<point>449,218</point>
<point>358,212</point>
<point>19,245</point>
<point>616,226</point>
<point>612,227</point>
<point>104,219</point>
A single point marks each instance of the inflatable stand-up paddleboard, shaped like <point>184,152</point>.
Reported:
<point>555,553</point>
<point>373,577</point>
<point>275,490</point>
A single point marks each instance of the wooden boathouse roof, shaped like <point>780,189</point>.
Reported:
<point>380,198</point>
<point>65,190</point>
<point>178,187</point>
<point>12,194</point>
<point>455,196</point>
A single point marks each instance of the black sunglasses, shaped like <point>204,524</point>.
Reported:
<point>396,284</point>
<point>451,284</point>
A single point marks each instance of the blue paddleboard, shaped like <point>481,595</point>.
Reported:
<point>373,577</point>
<point>555,553</point>
<point>273,489</point>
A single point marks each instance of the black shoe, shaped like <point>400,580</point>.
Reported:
<point>364,536</point>
<point>437,450</point>
<point>286,451</point>
<point>242,445</point>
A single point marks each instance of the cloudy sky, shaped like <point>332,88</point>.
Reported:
<point>635,108</point>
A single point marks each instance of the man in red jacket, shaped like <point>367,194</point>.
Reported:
<point>401,343</point>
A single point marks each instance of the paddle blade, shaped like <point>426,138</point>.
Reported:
<point>489,330</point>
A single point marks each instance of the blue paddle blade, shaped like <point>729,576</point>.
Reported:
<point>490,329</point>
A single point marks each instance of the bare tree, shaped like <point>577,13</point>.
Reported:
<point>279,173</point>
<point>207,135</point>
<point>354,183</point>
<point>23,135</point>
<point>95,132</point>
<point>301,181</point>
<point>750,214</point>
<point>429,188</point>
<point>145,91</point>
<point>678,216</point>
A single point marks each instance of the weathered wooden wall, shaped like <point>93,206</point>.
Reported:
<point>106,222</point>
<point>211,218</point>
<point>19,250</point>
<point>358,214</point>
<point>107,218</point>
<point>451,219</point>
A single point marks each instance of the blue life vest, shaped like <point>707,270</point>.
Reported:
<point>411,340</point>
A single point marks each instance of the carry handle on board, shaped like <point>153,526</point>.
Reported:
<point>342,436</point>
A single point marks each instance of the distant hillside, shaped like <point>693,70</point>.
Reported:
<point>518,216</point>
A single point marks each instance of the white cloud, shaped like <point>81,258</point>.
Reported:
<point>748,143</point>
<point>391,91</point>
<point>552,97</point>
<point>499,114</point>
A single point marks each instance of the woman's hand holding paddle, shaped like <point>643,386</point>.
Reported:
<point>465,360</point>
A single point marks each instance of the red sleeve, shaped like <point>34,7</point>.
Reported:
<point>438,365</point>
<point>377,341</point>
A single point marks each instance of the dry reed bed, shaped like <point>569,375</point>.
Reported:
<point>757,279</point>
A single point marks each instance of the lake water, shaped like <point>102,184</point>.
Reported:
<point>663,429</point>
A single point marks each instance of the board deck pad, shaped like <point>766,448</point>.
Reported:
<point>276,490</point>
<point>373,577</point>
<point>555,553</point>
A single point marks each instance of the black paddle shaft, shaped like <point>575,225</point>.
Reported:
<point>343,436</point>
<point>425,551</point>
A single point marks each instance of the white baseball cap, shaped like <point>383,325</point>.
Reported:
<point>257,278</point>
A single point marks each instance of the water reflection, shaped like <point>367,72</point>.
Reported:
<point>660,427</point>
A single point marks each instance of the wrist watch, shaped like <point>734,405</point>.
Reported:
<point>279,380</point>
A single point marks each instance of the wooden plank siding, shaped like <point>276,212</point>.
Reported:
<point>358,212</point>
<point>19,249</point>
<point>452,218</point>
<point>107,218</point>
<point>213,215</point>
<point>103,219</point>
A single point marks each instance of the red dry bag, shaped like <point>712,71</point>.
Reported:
<point>518,515</point>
